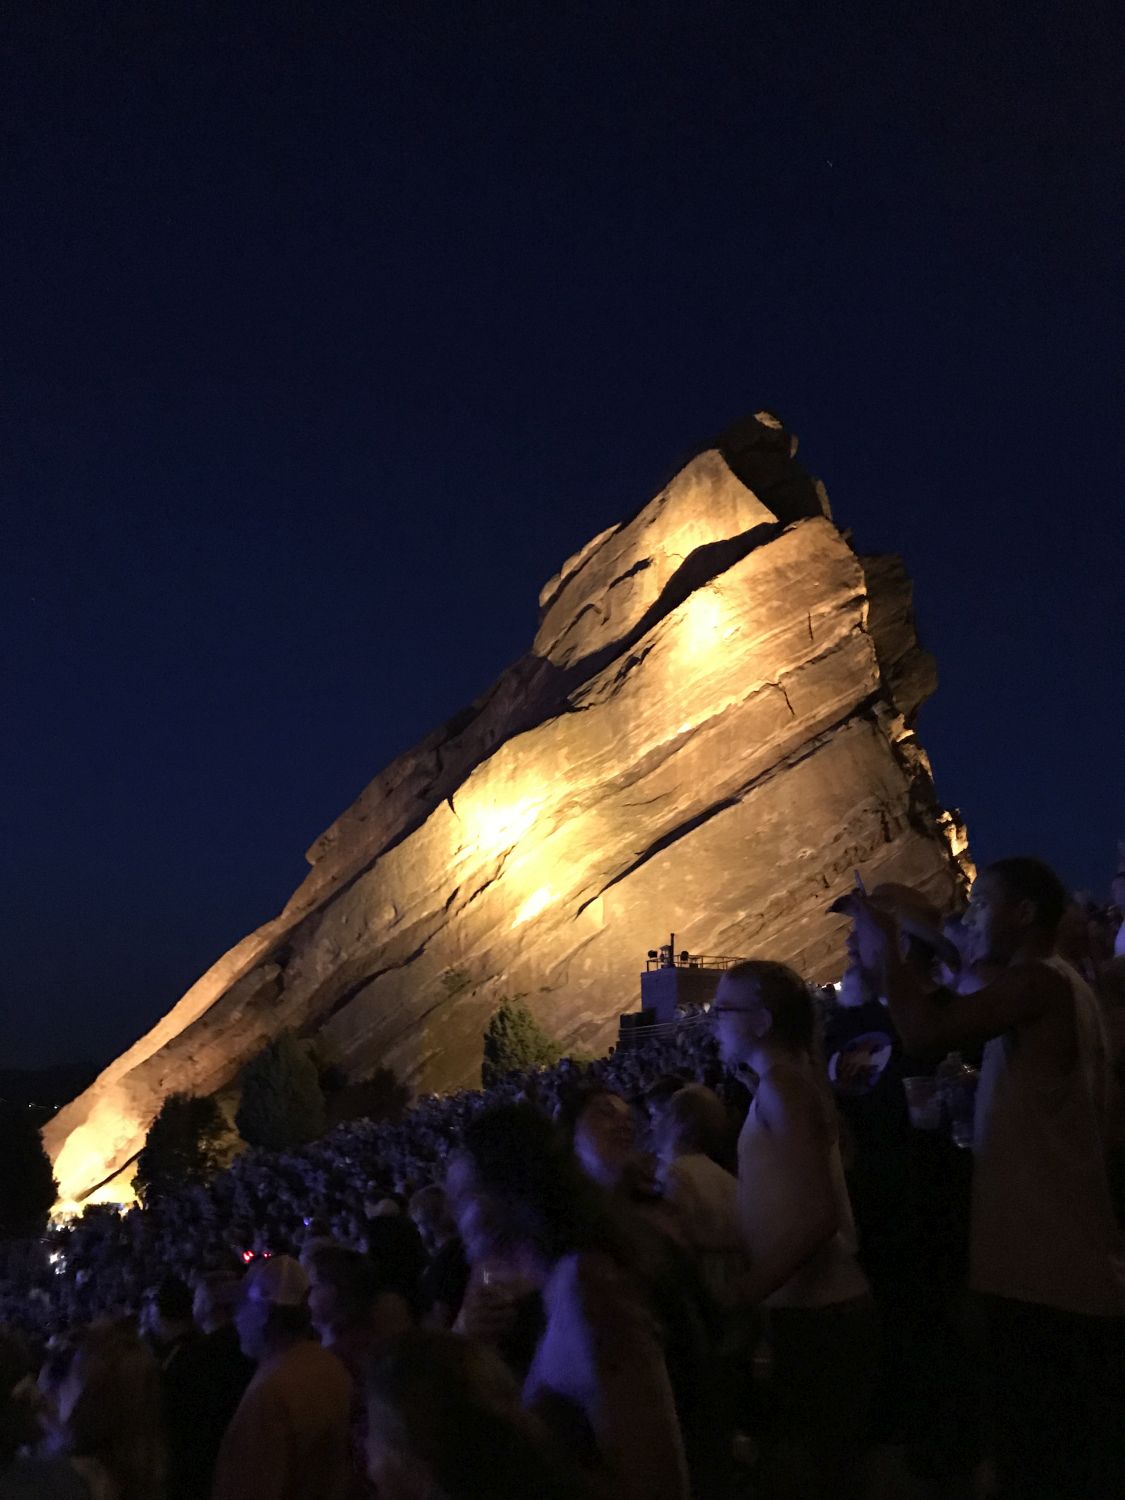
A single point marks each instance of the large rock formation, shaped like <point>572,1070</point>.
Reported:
<point>713,728</point>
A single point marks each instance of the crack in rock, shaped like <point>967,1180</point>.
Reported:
<point>361,984</point>
<point>697,820</point>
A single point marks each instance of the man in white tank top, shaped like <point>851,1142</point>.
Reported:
<point>1046,1251</point>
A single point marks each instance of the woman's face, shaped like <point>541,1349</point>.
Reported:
<point>68,1392</point>
<point>605,1138</point>
<point>477,1214</point>
<point>322,1304</point>
<point>250,1319</point>
<point>433,1225</point>
<point>741,1017</point>
<point>48,1399</point>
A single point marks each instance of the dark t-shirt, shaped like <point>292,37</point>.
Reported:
<point>202,1381</point>
<point>42,1479</point>
<point>445,1278</point>
<point>865,1070</point>
<point>909,1188</point>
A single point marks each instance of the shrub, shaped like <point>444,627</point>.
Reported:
<point>514,1041</point>
<point>282,1103</point>
<point>27,1181</point>
<point>189,1141</point>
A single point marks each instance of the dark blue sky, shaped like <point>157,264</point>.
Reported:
<point>329,331</point>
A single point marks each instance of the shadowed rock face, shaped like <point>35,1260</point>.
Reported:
<point>711,731</point>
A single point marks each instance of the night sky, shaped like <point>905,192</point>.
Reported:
<point>329,331</point>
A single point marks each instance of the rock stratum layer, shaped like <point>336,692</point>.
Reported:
<point>712,730</point>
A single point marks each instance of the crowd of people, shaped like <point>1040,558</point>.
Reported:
<point>749,1256</point>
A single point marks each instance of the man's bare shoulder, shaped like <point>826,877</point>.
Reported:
<point>1038,991</point>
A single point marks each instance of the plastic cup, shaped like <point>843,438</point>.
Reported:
<point>923,1099</point>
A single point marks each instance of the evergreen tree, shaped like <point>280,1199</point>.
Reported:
<point>515,1041</point>
<point>282,1103</point>
<point>189,1141</point>
<point>27,1182</point>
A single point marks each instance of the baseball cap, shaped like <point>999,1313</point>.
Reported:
<point>280,1281</point>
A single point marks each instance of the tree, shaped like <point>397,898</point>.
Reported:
<point>189,1141</point>
<point>27,1181</point>
<point>282,1103</point>
<point>514,1041</point>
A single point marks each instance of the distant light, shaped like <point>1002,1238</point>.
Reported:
<point>492,827</point>
<point>705,622</point>
<point>534,904</point>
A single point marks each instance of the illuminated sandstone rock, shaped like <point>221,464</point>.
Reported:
<point>711,732</point>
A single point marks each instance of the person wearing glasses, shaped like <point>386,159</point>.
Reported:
<point>800,1235</point>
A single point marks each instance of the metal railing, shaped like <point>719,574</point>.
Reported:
<point>633,1036</point>
<point>693,961</point>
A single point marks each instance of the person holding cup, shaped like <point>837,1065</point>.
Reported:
<point>537,1228</point>
<point>1046,1252</point>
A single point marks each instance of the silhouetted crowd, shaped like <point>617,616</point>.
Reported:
<point>853,1241</point>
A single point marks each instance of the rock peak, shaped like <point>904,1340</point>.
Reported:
<point>713,728</point>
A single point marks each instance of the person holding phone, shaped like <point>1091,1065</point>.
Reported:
<point>1046,1252</point>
